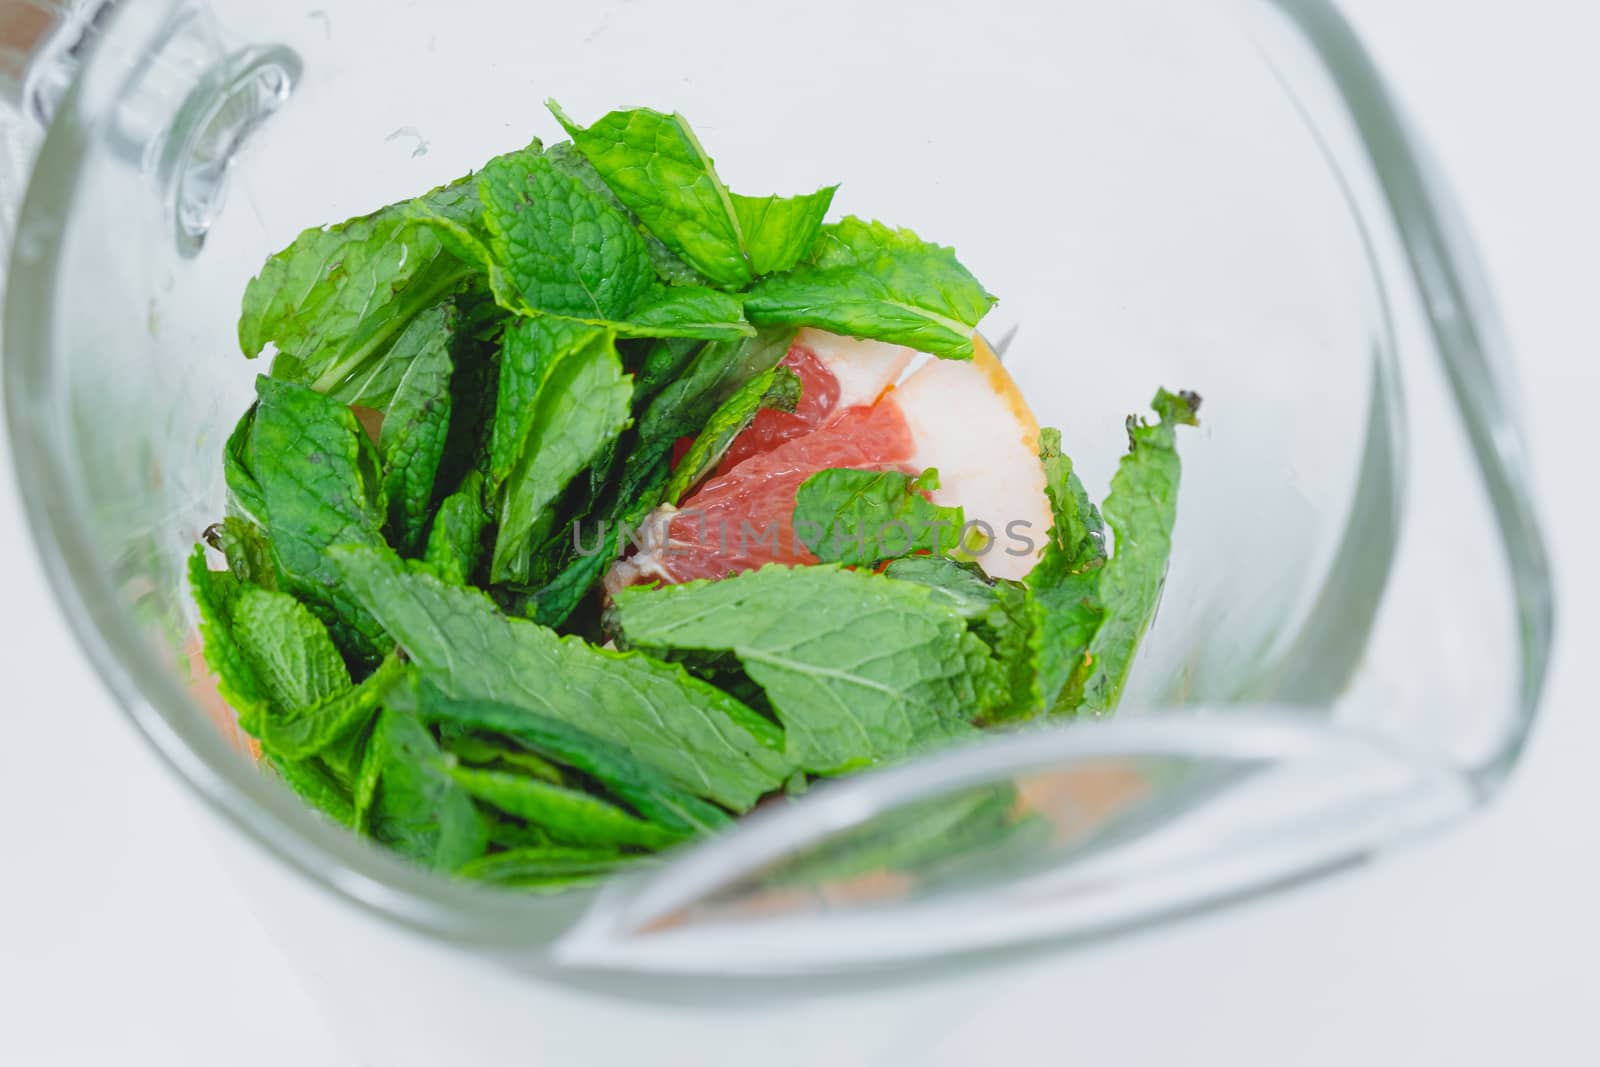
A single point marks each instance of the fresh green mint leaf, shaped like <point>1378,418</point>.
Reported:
<point>216,593</point>
<point>318,475</point>
<point>476,749</point>
<point>288,648</point>
<point>563,396</point>
<point>317,785</point>
<point>859,668</point>
<point>656,166</point>
<point>717,371</point>
<point>960,586</point>
<point>544,868</point>
<point>1065,583</point>
<point>1078,531</point>
<point>1070,613</point>
<point>311,730</point>
<point>865,279</point>
<point>689,731</point>
<point>687,311</point>
<point>640,490</point>
<point>566,815</point>
<point>664,362</point>
<point>474,390</point>
<point>566,158</point>
<point>668,265</point>
<point>1005,614</point>
<point>777,389</point>
<point>682,310</point>
<point>863,517</point>
<point>244,492</point>
<point>565,250</point>
<point>416,425</point>
<point>622,774</point>
<point>778,231</point>
<point>1141,509</point>
<point>417,808</point>
<point>247,550</point>
<point>336,299</point>
<point>455,543</point>
<point>1014,631</point>
<point>507,833</point>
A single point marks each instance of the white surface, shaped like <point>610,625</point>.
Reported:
<point>121,940</point>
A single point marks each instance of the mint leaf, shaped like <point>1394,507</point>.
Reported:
<point>657,168</point>
<point>336,299</point>
<point>1078,531</point>
<point>317,785</point>
<point>1070,613</point>
<point>859,668</point>
<point>311,730</point>
<point>962,587</point>
<point>682,310</point>
<point>215,594</point>
<point>417,808</point>
<point>666,360</point>
<point>689,731</point>
<point>862,517</point>
<point>566,158</point>
<point>563,396</point>
<point>655,165</point>
<point>288,648</point>
<point>247,550</point>
<point>1014,631</point>
<point>778,389</point>
<point>455,543</point>
<point>507,833</point>
<point>865,279</point>
<point>779,231</point>
<point>416,424</point>
<point>549,867</point>
<point>637,495</point>
<point>687,311</point>
<point>317,472</point>
<point>478,750</point>
<point>1066,581</point>
<point>1142,509</point>
<point>717,371</point>
<point>565,250</point>
<point>1005,614</point>
<point>643,788</point>
<point>566,815</point>
<point>244,492</point>
<point>474,390</point>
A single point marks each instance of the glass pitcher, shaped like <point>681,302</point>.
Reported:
<point>1218,196</point>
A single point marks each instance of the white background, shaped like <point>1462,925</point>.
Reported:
<point>122,941</point>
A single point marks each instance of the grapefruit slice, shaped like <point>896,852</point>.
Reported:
<point>967,419</point>
<point>836,373</point>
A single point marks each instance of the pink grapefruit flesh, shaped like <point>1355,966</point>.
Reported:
<point>967,419</point>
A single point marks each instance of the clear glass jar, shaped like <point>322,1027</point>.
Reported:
<point>1217,196</point>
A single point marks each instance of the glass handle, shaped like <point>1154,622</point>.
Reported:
<point>1049,832</point>
<point>185,114</point>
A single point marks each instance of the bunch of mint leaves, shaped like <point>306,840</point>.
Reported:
<point>464,380</point>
